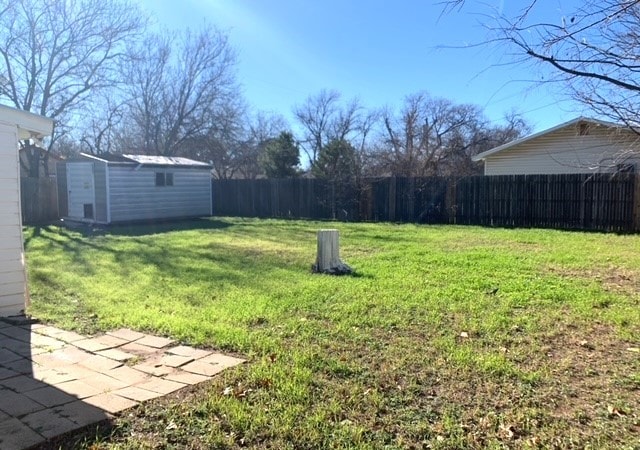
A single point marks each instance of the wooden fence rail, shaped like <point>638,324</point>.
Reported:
<point>585,201</point>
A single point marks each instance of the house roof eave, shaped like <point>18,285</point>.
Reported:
<point>30,125</point>
<point>508,145</point>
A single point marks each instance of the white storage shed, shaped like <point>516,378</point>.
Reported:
<point>14,126</point>
<point>127,188</point>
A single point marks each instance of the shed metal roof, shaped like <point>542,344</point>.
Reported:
<point>149,160</point>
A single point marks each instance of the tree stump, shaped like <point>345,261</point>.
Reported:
<point>328,257</point>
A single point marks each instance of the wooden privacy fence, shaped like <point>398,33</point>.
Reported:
<point>604,202</point>
<point>584,201</point>
<point>39,200</point>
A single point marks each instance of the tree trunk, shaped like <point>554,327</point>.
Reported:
<point>328,258</point>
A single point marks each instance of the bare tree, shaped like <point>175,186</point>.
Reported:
<point>221,142</point>
<point>181,87</point>
<point>477,136</point>
<point>591,49</point>
<point>103,130</point>
<point>55,54</point>
<point>324,118</point>
<point>433,136</point>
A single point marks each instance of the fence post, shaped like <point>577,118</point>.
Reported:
<point>392,199</point>
<point>636,203</point>
<point>450,200</point>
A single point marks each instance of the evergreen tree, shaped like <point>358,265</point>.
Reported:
<point>281,157</point>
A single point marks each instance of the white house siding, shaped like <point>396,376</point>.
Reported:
<point>565,151</point>
<point>134,195</point>
<point>12,276</point>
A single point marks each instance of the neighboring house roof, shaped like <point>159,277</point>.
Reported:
<point>508,145</point>
<point>30,126</point>
<point>147,160</point>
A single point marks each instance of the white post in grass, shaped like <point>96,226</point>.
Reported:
<point>328,258</point>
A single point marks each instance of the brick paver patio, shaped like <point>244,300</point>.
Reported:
<point>54,381</point>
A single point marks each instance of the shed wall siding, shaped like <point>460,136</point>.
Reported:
<point>12,275</point>
<point>564,151</point>
<point>100,186</point>
<point>134,195</point>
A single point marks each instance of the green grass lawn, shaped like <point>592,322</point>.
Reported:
<point>415,351</point>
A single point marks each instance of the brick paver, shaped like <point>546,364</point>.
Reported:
<point>126,373</point>
<point>157,370</point>
<point>39,340</point>
<point>7,373</point>
<point>116,354</point>
<point>80,389</point>
<point>126,334</point>
<point>161,386</point>
<point>8,356</point>
<point>183,350</point>
<point>155,341</point>
<point>99,362</point>
<point>22,383</point>
<point>22,365</point>
<point>139,349</point>
<point>110,402</point>
<point>203,368</point>
<point>81,413</point>
<point>48,423</point>
<point>16,333</point>
<point>223,360</point>
<point>77,371</point>
<point>53,381</point>
<point>67,336</point>
<point>52,376</point>
<point>50,396</point>
<point>111,341</point>
<point>175,360</point>
<point>187,378</point>
<point>136,393</point>
<point>16,404</point>
<point>91,345</point>
<point>15,435</point>
<point>105,382</point>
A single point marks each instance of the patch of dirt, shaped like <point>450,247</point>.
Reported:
<point>589,370</point>
<point>612,278</point>
<point>588,393</point>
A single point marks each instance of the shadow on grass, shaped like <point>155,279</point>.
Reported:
<point>152,227</point>
<point>131,229</point>
<point>170,257</point>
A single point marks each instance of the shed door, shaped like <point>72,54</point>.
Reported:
<point>81,190</point>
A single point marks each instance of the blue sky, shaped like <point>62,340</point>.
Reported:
<point>376,50</point>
